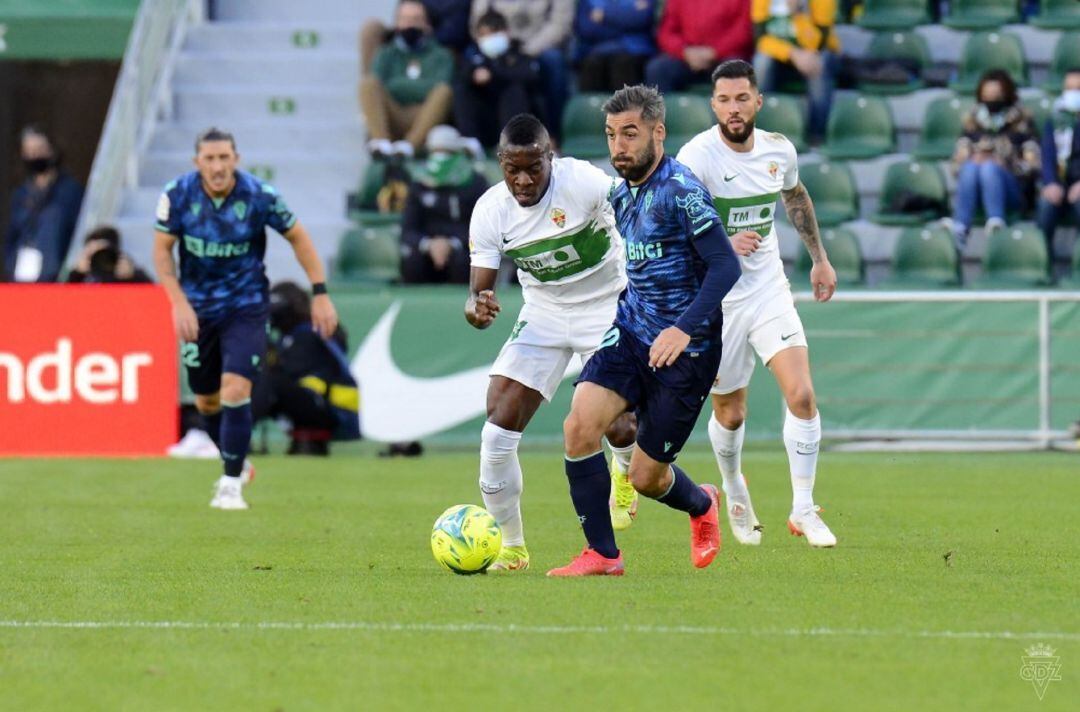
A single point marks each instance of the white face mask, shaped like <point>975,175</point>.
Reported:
<point>1070,100</point>
<point>495,45</point>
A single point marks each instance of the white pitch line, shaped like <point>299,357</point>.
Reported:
<point>511,628</point>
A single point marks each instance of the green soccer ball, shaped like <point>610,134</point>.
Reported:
<point>466,539</point>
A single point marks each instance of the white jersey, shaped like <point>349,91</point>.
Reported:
<point>745,187</point>
<point>566,247</point>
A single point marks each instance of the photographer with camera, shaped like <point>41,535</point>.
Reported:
<point>102,261</point>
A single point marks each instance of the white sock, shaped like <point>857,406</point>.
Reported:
<point>727,446</point>
<point>801,439</point>
<point>622,455</point>
<point>501,482</point>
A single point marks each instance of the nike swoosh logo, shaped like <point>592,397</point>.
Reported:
<point>728,179</point>
<point>400,407</point>
<point>667,446</point>
<point>785,338</point>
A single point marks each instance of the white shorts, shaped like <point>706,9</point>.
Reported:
<point>765,325</point>
<point>543,342</point>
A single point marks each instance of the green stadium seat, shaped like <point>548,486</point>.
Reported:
<point>783,114</point>
<point>980,14</point>
<point>859,127</point>
<point>897,45</point>
<point>893,14</point>
<point>687,116</point>
<point>490,169</point>
<point>369,253</point>
<point>1016,258</point>
<point>911,180</point>
<point>941,127</point>
<point>1041,108</point>
<point>583,127</point>
<point>844,254</point>
<point>832,188</point>
<point>1066,57</point>
<point>924,258</point>
<point>1057,15</point>
<point>990,50</point>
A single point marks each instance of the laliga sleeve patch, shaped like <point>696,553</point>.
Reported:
<point>163,207</point>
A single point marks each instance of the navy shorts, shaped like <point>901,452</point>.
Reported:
<point>667,400</point>
<point>235,343</point>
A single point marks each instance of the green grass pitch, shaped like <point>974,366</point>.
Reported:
<point>120,589</point>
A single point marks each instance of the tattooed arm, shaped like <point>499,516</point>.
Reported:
<point>800,211</point>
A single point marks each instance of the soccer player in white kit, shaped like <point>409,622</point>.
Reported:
<point>746,170</point>
<point>551,216</point>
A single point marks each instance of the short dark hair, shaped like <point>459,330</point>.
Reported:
<point>1071,70</point>
<point>108,233</point>
<point>735,69</point>
<point>214,134</point>
<point>646,99</point>
<point>1008,85</point>
<point>523,130</point>
<point>493,20</point>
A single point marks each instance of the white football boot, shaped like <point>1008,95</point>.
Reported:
<point>810,525</point>
<point>227,494</point>
<point>740,515</point>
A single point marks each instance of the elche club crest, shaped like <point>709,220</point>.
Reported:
<point>558,216</point>
<point>1040,667</point>
<point>773,168</point>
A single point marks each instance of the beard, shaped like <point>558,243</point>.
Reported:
<point>738,136</point>
<point>640,166</point>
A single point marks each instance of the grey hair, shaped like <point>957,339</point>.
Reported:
<point>648,100</point>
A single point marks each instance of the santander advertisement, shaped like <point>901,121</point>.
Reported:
<point>86,370</point>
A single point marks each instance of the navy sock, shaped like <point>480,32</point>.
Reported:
<point>684,495</point>
<point>235,436</point>
<point>590,486</point>
<point>212,425</point>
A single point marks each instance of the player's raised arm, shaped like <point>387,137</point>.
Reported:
<point>323,315</point>
<point>800,210</point>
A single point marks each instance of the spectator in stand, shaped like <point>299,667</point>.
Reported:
<point>435,224</point>
<point>544,28</point>
<point>996,158</point>
<point>696,36</point>
<point>497,81</point>
<point>449,18</point>
<point>614,41</point>
<point>102,261</point>
<point>408,90</point>
<point>1061,162</point>
<point>795,38</point>
<point>44,210</point>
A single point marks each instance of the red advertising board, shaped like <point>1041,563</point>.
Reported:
<point>86,370</point>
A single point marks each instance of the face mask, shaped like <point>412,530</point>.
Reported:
<point>996,106</point>
<point>494,45</point>
<point>1070,100</point>
<point>411,37</point>
<point>37,166</point>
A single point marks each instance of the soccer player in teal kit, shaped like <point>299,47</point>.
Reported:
<point>220,298</point>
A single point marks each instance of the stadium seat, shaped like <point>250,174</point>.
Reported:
<point>1015,257</point>
<point>369,253</point>
<point>941,127</point>
<point>898,46</point>
<point>490,169</point>
<point>832,188</point>
<point>989,50</point>
<point>1041,108</point>
<point>1057,15</point>
<point>583,127</point>
<point>921,186</point>
<point>1066,57</point>
<point>783,114</point>
<point>980,14</point>
<point>844,254</point>
<point>924,257</point>
<point>893,14</point>
<point>859,127</point>
<point>687,116</point>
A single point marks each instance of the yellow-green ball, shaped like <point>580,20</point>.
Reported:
<point>466,539</point>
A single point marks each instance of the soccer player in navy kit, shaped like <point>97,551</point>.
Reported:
<point>220,300</point>
<point>662,353</point>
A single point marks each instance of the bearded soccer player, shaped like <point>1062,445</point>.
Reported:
<point>551,216</point>
<point>220,299</point>
<point>746,169</point>
<point>661,354</point>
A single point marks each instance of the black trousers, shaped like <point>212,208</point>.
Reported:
<point>610,72</point>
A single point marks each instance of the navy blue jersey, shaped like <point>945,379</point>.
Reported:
<point>222,242</point>
<point>658,221</point>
